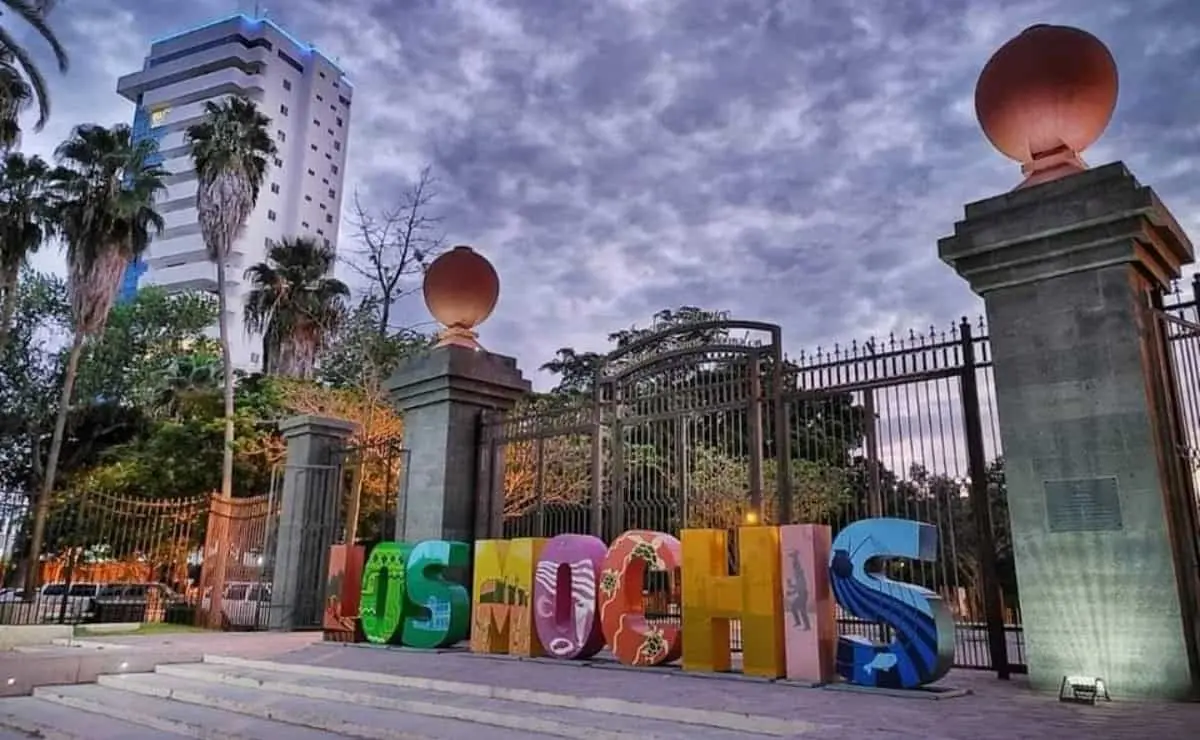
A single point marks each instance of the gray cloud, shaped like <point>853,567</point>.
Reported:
<point>787,161</point>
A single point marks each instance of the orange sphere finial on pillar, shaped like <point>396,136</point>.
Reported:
<point>1044,97</point>
<point>461,288</point>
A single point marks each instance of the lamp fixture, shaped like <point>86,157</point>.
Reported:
<point>1083,690</point>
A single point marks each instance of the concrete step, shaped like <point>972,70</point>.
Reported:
<point>163,718</point>
<point>526,712</point>
<point>330,714</point>
<point>27,717</point>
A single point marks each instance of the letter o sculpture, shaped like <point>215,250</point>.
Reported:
<point>567,620</point>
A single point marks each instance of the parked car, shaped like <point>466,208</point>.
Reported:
<point>245,604</point>
<point>71,603</point>
<point>133,602</point>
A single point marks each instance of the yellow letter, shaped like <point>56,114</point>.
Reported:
<point>502,608</point>
<point>712,598</point>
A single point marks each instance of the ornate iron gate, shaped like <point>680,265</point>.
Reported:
<point>706,424</point>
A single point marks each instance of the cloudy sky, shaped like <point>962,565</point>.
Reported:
<point>785,160</point>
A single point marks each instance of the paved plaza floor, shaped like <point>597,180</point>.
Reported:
<point>993,709</point>
<point>292,687</point>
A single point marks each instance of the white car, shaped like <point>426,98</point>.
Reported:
<point>245,605</point>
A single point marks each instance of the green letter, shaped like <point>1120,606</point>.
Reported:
<point>381,604</point>
<point>440,610</point>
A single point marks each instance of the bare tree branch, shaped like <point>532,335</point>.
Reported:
<point>396,243</point>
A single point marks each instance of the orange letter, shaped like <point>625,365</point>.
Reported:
<point>712,599</point>
<point>810,619</point>
<point>632,639</point>
<point>502,619</point>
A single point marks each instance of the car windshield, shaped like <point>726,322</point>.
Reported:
<point>54,589</point>
<point>82,589</point>
<point>112,591</point>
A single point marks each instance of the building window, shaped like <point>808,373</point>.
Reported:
<point>328,218</point>
<point>281,135</point>
<point>270,215</point>
<point>311,172</point>
<point>304,224</point>
<point>275,188</point>
<point>325,180</point>
<point>323,208</point>
<point>320,232</point>
<point>337,146</point>
<point>322,75</point>
<point>308,198</point>
<point>336,86</point>
<point>254,357</point>
<point>316,122</point>
<point>327,244</point>
<point>329,156</point>
<point>335,169</point>
<point>287,84</point>
<point>332,194</point>
<point>313,147</point>
<point>283,109</point>
<point>320,99</point>
<point>339,123</point>
<point>267,242</point>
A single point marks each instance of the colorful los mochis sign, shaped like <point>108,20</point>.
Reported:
<point>570,596</point>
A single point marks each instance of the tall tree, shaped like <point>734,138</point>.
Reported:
<point>295,303</point>
<point>231,149</point>
<point>396,244</point>
<point>24,222</point>
<point>104,190</point>
<point>20,78</point>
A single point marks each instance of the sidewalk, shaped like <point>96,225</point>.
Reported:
<point>993,709</point>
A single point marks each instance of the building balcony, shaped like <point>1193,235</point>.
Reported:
<point>145,81</point>
<point>194,275</point>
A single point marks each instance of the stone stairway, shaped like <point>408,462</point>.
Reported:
<point>236,699</point>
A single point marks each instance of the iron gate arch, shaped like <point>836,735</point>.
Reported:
<point>676,404</point>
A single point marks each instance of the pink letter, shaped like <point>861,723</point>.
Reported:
<point>810,620</point>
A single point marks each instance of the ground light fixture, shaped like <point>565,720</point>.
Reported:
<point>1083,690</point>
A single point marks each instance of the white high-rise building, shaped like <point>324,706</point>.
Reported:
<point>307,97</point>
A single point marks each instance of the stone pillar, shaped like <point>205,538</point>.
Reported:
<point>308,519</point>
<point>442,395</point>
<point>1066,270</point>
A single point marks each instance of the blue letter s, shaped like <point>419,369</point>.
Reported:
<point>923,648</point>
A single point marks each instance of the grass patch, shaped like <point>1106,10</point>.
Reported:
<point>147,628</point>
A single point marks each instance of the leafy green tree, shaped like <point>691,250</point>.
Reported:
<point>30,375</point>
<point>295,303</point>
<point>356,355</point>
<point>188,378</point>
<point>231,149</point>
<point>24,221</point>
<point>104,190</point>
<point>142,340</point>
<point>20,79</point>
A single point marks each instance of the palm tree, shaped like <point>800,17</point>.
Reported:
<point>24,222</point>
<point>104,192</point>
<point>295,303</point>
<point>15,97</point>
<point>231,148</point>
<point>22,81</point>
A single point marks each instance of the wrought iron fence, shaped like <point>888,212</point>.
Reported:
<point>105,558</point>
<point>708,425</point>
<point>1173,326</point>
